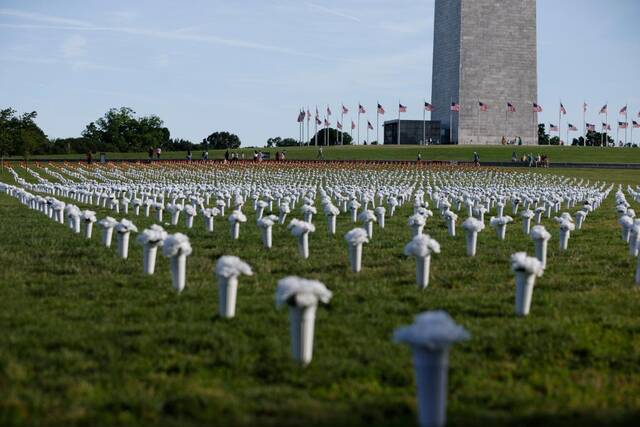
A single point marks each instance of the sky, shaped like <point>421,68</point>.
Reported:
<point>247,66</point>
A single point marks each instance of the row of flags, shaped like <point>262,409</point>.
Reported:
<point>455,107</point>
<point>592,128</point>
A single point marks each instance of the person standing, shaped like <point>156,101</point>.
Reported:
<point>158,152</point>
<point>226,156</point>
<point>476,158</point>
<point>320,154</point>
<point>150,153</point>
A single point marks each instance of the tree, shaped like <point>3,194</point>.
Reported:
<point>279,142</point>
<point>334,137</point>
<point>20,135</point>
<point>543,136</point>
<point>273,142</point>
<point>223,140</point>
<point>179,144</point>
<point>120,130</point>
<point>596,139</point>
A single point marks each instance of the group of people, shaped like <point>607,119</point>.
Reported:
<point>534,161</point>
<point>154,151</point>
<point>229,156</point>
<point>515,141</point>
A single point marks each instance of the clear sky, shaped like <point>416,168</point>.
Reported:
<point>247,66</point>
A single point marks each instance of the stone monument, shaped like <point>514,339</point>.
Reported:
<point>485,52</point>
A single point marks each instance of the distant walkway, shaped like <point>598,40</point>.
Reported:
<point>553,165</point>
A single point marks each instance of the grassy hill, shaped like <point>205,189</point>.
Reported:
<point>459,153</point>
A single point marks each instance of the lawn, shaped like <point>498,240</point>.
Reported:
<point>458,153</point>
<point>89,340</point>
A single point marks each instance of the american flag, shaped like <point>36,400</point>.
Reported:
<point>604,109</point>
<point>353,125</point>
<point>636,124</point>
<point>455,107</point>
<point>345,110</point>
<point>606,126</point>
<point>429,107</point>
<point>328,111</point>
<point>361,109</point>
<point>623,125</point>
<point>339,125</point>
<point>369,125</point>
<point>511,108</point>
<point>308,115</point>
<point>537,108</point>
<point>562,109</point>
<point>301,116</point>
<point>483,107</point>
<point>380,109</point>
<point>402,108</point>
<point>553,128</point>
<point>584,107</point>
<point>318,121</point>
<point>623,110</point>
<point>327,123</point>
<point>591,128</point>
<point>572,128</point>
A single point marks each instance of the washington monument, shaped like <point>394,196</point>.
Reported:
<point>485,52</point>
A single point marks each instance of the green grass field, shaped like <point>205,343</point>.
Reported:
<point>89,340</point>
<point>459,153</point>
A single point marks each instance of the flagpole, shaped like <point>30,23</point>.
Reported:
<point>626,120</point>
<point>367,130</point>
<point>584,121</point>
<point>398,122</point>
<point>450,121</point>
<point>560,124</point>
<point>424,125</point>
<point>606,119</point>
<point>377,123</point>
<point>300,131</point>
<point>315,121</point>
<point>478,124</point>
<point>308,140</point>
<point>359,122</point>
<point>506,123</point>
<point>342,121</point>
<point>351,129</point>
<point>533,122</point>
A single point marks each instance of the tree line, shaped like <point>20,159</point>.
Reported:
<point>591,139</point>
<point>119,130</point>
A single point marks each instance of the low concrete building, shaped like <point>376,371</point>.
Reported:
<point>413,132</point>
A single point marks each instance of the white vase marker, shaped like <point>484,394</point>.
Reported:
<point>151,239</point>
<point>430,338</point>
<point>302,297</point>
<point>422,247</point>
<point>228,269</point>
<point>177,248</point>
